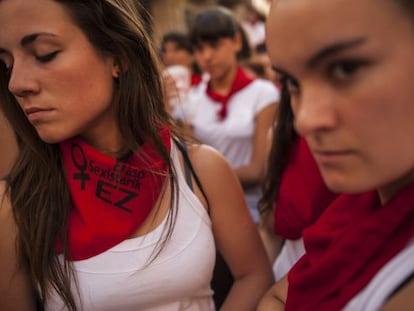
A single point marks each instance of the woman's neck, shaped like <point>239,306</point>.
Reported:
<point>223,84</point>
<point>389,190</point>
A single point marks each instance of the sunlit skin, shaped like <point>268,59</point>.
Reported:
<point>45,52</point>
<point>350,75</point>
<point>219,60</point>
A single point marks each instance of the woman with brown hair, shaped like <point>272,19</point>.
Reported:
<point>348,68</point>
<point>102,209</point>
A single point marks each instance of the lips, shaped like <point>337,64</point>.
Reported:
<point>36,114</point>
<point>331,156</point>
<point>29,111</point>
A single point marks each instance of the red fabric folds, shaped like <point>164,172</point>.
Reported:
<point>110,199</point>
<point>349,244</point>
<point>302,196</point>
<point>240,81</point>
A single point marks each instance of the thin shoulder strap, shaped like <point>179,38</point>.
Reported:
<point>189,170</point>
<point>407,280</point>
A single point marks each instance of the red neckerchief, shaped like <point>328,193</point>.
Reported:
<point>302,195</point>
<point>110,199</point>
<point>349,244</point>
<point>241,80</point>
<point>195,79</point>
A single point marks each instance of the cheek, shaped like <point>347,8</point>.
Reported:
<point>88,80</point>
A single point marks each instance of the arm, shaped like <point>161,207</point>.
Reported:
<point>8,146</point>
<point>275,298</point>
<point>235,233</point>
<point>273,243</point>
<point>253,172</point>
<point>15,289</point>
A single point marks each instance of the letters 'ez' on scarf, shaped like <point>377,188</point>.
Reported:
<point>241,80</point>
<point>110,199</point>
<point>302,195</point>
<point>352,240</point>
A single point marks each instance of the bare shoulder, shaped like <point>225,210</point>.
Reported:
<point>211,168</point>
<point>217,177</point>
<point>402,300</point>
<point>206,159</point>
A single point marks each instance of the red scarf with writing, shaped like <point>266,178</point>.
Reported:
<point>241,80</point>
<point>110,199</point>
<point>349,244</point>
<point>302,195</point>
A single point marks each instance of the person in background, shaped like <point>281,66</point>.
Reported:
<point>294,194</point>
<point>176,49</point>
<point>8,145</point>
<point>105,207</point>
<point>230,111</point>
<point>180,74</point>
<point>349,81</point>
<point>254,25</point>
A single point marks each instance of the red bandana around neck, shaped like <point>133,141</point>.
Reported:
<point>110,199</point>
<point>302,195</point>
<point>241,80</point>
<point>353,239</point>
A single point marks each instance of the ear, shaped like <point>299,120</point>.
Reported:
<point>115,70</point>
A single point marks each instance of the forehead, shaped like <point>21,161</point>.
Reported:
<point>298,27</point>
<point>20,17</point>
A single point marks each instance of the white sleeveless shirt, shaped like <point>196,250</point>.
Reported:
<point>390,276</point>
<point>124,278</point>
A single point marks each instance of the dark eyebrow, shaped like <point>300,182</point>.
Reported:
<point>324,53</point>
<point>29,39</point>
<point>333,49</point>
<point>26,40</point>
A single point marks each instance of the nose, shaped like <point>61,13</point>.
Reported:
<point>22,81</point>
<point>314,110</point>
<point>205,53</point>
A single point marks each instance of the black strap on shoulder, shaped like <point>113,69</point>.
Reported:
<point>189,170</point>
<point>407,280</point>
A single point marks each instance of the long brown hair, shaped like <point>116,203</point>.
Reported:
<point>37,186</point>
<point>283,136</point>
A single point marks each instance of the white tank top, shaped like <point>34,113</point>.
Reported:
<point>291,252</point>
<point>122,279</point>
<point>376,293</point>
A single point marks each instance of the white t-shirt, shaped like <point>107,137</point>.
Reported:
<point>123,279</point>
<point>256,33</point>
<point>233,137</point>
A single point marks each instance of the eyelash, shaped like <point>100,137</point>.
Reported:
<point>343,70</point>
<point>47,58</point>
<point>339,71</point>
<point>42,59</point>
